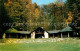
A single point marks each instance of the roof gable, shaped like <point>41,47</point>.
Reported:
<point>66,29</point>
<point>39,29</point>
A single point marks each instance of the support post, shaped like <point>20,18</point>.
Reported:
<point>26,36</point>
<point>53,35</point>
<point>58,35</point>
<point>9,35</point>
<point>20,36</point>
<point>68,35</point>
<point>61,35</point>
<point>17,35</point>
<point>4,36</point>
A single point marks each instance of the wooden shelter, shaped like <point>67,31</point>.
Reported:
<point>66,32</point>
<point>53,34</point>
<point>19,34</point>
<point>40,33</point>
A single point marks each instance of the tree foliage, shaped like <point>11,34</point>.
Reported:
<point>74,7</point>
<point>4,18</point>
<point>27,16</point>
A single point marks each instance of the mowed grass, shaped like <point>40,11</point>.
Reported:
<point>65,45</point>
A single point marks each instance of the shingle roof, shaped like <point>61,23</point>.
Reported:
<point>51,32</point>
<point>24,32</point>
<point>11,30</point>
<point>66,29</point>
<point>55,31</point>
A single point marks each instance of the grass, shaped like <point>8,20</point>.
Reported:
<point>65,45</point>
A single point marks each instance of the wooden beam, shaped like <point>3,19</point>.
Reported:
<point>53,35</point>
<point>61,35</point>
<point>68,35</point>
<point>20,36</point>
<point>58,35</point>
<point>4,36</point>
<point>26,36</point>
<point>9,35</point>
<point>17,35</point>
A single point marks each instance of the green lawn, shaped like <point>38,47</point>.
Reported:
<point>66,45</point>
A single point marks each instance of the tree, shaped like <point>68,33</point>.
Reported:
<point>4,18</point>
<point>74,6</point>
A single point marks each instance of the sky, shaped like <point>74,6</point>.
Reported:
<point>42,2</point>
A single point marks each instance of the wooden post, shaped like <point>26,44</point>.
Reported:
<point>58,35</point>
<point>4,36</point>
<point>9,35</point>
<point>61,35</point>
<point>20,36</point>
<point>77,33</point>
<point>68,34</point>
<point>17,35</point>
<point>53,35</point>
<point>26,36</point>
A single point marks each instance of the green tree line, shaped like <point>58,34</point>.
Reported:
<point>26,16</point>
